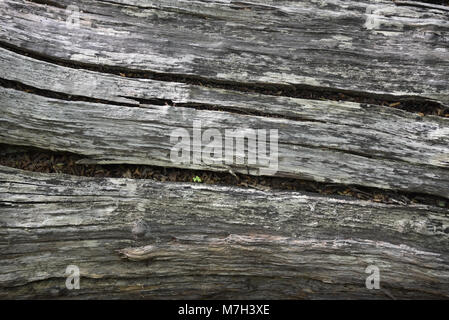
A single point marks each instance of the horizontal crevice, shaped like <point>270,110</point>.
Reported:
<point>49,3</point>
<point>45,161</point>
<point>54,4</point>
<point>426,4</point>
<point>210,107</point>
<point>12,84</point>
<point>406,103</point>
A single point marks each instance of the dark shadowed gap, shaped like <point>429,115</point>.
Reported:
<point>11,84</point>
<point>420,2</point>
<point>45,161</point>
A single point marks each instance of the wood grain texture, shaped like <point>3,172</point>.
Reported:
<point>318,151</point>
<point>140,239</point>
<point>316,43</point>
<point>325,141</point>
<point>144,239</point>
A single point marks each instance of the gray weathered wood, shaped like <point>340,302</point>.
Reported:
<point>322,44</point>
<point>311,150</point>
<point>145,239</point>
<point>58,79</point>
<point>340,142</point>
<point>199,241</point>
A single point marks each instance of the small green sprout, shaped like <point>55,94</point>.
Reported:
<point>197,179</point>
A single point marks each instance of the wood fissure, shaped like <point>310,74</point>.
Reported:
<point>46,161</point>
<point>142,101</point>
<point>428,4</point>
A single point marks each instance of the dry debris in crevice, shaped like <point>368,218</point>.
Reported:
<point>44,161</point>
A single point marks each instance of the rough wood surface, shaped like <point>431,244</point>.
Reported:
<point>61,89</point>
<point>414,159</point>
<point>316,43</point>
<point>198,241</point>
<point>331,141</point>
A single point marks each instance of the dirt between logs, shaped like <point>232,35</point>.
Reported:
<point>45,161</point>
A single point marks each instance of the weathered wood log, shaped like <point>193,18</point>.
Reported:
<point>115,84</point>
<point>397,153</point>
<point>138,238</point>
<point>361,46</point>
<point>329,141</point>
